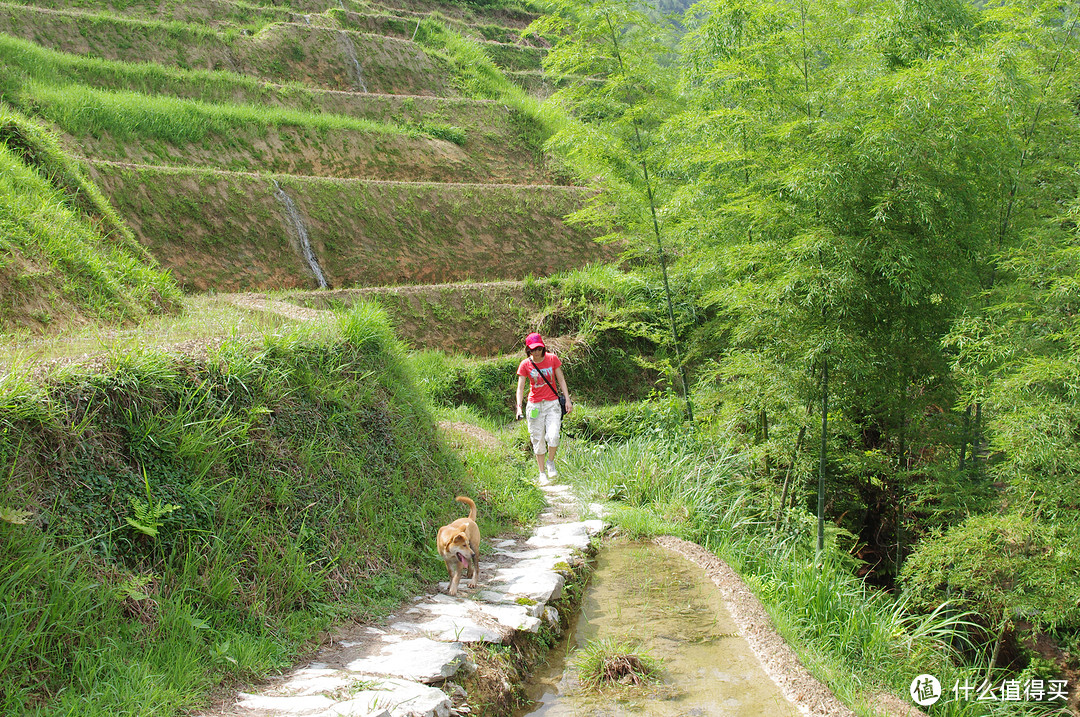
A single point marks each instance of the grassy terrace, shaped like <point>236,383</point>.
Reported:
<point>277,53</point>
<point>295,49</point>
<point>228,120</point>
<point>210,518</point>
<point>65,254</point>
<point>133,127</point>
<point>236,236</point>
<point>503,25</point>
<point>23,62</point>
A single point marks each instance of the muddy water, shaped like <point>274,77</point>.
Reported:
<point>667,604</point>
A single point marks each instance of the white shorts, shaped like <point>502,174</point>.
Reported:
<point>545,420</point>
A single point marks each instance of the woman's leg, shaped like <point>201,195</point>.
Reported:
<point>537,422</point>
<point>553,430</point>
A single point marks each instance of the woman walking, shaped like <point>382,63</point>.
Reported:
<point>542,370</point>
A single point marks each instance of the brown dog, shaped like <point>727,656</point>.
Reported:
<point>459,546</point>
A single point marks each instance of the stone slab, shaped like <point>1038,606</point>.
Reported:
<point>541,586</point>
<point>570,535</point>
<point>397,698</point>
<point>450,619</point>
<point>454,620</point>
<point>599,510</point>
<point>419,659</point>
<point>496,597</point>
<point>515,617</point>
<point>286,704</point>
<point>313,680</point>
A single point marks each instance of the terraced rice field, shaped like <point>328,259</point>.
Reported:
<point>305,144</point>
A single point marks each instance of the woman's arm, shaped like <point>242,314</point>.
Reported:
<point>565,391</point>
<point>522,382</point>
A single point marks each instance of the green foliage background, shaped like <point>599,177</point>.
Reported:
<point>886,188</point>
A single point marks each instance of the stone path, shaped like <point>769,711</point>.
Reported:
<point>406,668</point>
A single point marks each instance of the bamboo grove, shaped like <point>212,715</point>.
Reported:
<point>868,206</point>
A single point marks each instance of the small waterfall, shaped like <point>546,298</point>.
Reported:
<point>347,47</point>
<point>301,231</point>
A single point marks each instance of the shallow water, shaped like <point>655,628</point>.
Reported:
<point>657,598</point>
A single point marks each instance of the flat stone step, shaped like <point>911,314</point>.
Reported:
<point>394,698</point>
<point>572,535</point>
<point>286,704</point>
<point>528,584</point>
<point>416,658</point>
<point>451,619</point>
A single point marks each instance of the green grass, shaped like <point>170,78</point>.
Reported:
<point>49,83</point>
<point>413,230</point>
<point>202,317</point>
<point>82,111</point>
<point>610,662</point>
<point>24,60</point>
<point>236,13</point>
<point>170,525</point>
<point>496,461</point>
<point>279,52</point>
<point>482,385</point>
<point>475,73</point>
<point>61,245</point>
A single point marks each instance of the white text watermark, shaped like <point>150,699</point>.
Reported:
<point>927,690</point>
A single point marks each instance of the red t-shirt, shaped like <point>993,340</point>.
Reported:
<point>539,391</point>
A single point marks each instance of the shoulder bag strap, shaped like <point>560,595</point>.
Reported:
<point>544,377</point>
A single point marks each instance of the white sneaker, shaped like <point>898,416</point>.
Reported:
<point>551,472</point>
<point>542,479</point>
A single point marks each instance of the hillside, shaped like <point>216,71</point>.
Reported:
<point>255,147</point>
<point>66,257</point>
<point>840,351</point>
<point>191,507</point>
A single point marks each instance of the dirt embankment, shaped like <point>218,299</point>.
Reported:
<point>226,231</point>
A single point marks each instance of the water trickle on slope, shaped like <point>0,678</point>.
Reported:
<point>349,50</point>
<point>652,596</point>
<point>301,231</point>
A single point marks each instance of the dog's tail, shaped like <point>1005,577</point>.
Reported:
<point>468,502</point>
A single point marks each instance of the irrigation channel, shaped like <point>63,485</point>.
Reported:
<point>651,596</point>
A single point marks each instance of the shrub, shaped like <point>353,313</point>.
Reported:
<point>1004,566</point>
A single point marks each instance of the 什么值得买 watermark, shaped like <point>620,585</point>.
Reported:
<point>926,690</point>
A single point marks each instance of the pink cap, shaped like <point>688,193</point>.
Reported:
<point>534,340</point>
